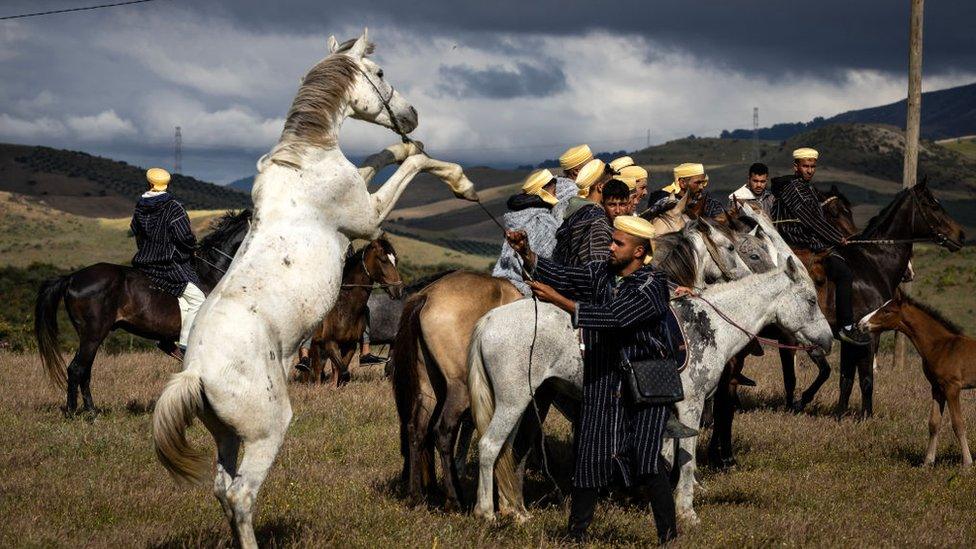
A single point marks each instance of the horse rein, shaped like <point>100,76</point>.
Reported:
<point>763,340</point>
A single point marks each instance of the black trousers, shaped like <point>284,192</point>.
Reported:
<point>840,273</point>
<point>583,505</point>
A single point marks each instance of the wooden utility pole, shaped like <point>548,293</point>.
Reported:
<point>912,130</point>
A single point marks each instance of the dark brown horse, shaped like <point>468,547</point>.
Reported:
<point>948,361</point>
<point>338,337</point>
<point>878,258</point>
<point>104,297</point>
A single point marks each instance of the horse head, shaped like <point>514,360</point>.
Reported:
<point>885,317</point>
<point>837,209</point>
<point>937,223</point>
<point>798,311</point>
<point>371,98</point>
<point>380,262</point>
<point>715,247</point>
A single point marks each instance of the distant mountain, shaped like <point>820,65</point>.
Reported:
<point>243,184</point>
<point>93,186</point>
<point>945,113</point>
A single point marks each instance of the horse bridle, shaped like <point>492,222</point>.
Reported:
<point>373,283</point>
<point>386,104</point>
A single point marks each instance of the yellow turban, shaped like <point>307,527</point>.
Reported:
<point>636,172</point>
<point>575,157</point>
<point>158,178</point>
<point>805,152</point>
<point>534,185</point>
<point>636,226</point>
<point>590,173</point>
<point>620,163</point>
<point>688,169</point>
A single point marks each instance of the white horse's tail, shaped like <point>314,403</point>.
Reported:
<point>180,402</point>
<point>483,409</point>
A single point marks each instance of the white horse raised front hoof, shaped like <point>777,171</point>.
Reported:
<point>464,188</point>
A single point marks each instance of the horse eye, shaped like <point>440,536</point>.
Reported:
<point>754,257</point>
<point>380,73</point>
<point>731,248</point>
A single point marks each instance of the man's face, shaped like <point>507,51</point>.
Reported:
<point>641,191</point>
<point>618,206</point>
<point>623,250</point>
<point>571,173</point>
<point>550,187</point>
<point>805,167</point>
<point>693,184</point>
<point>757,183</point>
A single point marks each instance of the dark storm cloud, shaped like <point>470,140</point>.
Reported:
<point>764,37</point>
<point>502,83</point>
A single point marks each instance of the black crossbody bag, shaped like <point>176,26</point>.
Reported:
<point>655,381</point>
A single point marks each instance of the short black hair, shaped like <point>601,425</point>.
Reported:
<point>758,169</point>
<point>616,188</point>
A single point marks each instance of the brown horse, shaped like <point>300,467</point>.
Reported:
<point>105,297</point>
<point>430,374</point>
<point>338,337</point>
<point>948,361</point>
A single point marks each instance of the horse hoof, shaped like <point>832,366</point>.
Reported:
<point>688,519</point>
<point>797,407</point>
<point>484,514</point>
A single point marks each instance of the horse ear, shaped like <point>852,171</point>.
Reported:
<point>702,227</point>
<point>333,44</point>
<point>791,269</point>
<point>834,190</point>
<point>358,50</point>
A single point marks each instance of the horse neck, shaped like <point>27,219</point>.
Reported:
<point>751,302</point>
<point>927,333</point>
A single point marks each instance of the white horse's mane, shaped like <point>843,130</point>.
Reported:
<point>312,114</point>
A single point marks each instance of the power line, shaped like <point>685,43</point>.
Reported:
<point>86,8</point>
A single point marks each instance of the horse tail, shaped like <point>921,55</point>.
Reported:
<point>406,351</point>
<point>182,399</point>
<point>49,298</point>
<point>483,410</point>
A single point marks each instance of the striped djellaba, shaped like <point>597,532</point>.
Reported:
<point>614,435</point>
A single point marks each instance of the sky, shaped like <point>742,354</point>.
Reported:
<point>496,83</point>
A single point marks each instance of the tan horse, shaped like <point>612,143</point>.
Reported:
<point>430,374</point>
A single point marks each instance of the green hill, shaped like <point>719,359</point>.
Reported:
<point>83,184</point>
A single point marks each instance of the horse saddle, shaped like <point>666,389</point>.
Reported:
<point>814,263</point>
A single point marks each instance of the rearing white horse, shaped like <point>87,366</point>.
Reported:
<point>309,201</point>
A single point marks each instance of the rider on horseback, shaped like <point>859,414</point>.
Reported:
<point>688,178</point>
<point>165,245</point>
<point>803,225</point>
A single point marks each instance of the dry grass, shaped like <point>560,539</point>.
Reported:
<point>805,480</point>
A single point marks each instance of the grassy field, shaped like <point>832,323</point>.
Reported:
<point>802,480</point>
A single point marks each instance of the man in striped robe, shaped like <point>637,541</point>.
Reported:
<point>584,234</point>
<point>165,244</point>
<point>803,225</point>
<point>622,304</point>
